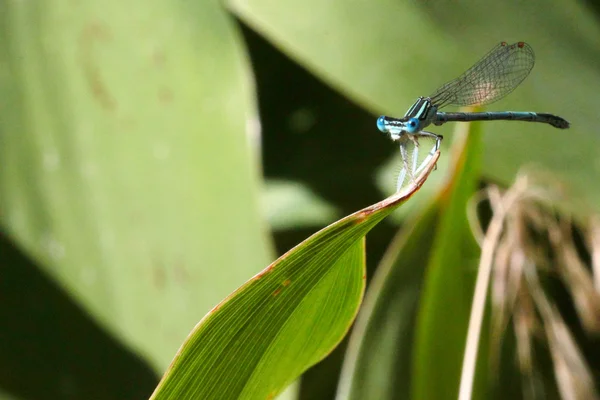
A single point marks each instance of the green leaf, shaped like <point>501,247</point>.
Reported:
<point>378,362</point>
<point>284,320</point>
<point>129,171</point>
<point>383,55</point>
<point>441,329</point>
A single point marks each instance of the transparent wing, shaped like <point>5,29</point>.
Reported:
<point>416,152</point>
<point>497,74</point>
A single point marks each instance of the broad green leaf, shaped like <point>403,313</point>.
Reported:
<point>129,173</point>
<point>285,319</point>
<point>378,362</point>
<point>384,54</point>
<point>443,316</point>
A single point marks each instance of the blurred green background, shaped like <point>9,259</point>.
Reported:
<point>154,155</point>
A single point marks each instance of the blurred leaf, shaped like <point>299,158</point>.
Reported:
<point>128,166</point>
<point>51,349</point>
<point>284,320</point>
<point>378,362</point>
<point>385,54</point>
<point>5,396</point>
<point>293,205</point>
<point>441,328</point>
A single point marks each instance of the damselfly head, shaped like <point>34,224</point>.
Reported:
<point>396,127</point>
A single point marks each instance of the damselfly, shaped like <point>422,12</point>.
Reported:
<point>497,74</point>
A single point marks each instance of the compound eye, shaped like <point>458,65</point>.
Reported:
<point>412,125</point>
<point>381,124</point>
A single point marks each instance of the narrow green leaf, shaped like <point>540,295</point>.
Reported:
<point>378,362</point>
<point>282,321</point>
<point>446,296</point>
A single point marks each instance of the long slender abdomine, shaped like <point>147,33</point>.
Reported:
<point>554,120</point>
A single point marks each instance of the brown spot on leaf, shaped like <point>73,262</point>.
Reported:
<point>165,95</point>
<point>93,34</point>
<point>276,292</point>
<point>263,272</point>
<point>286,282</point>
<point>158,275</point>
<point>159,58</point>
